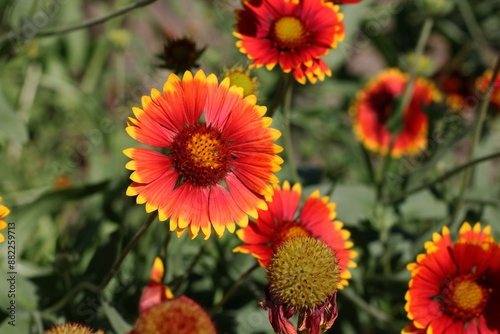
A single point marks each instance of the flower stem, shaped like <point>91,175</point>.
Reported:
<point>287,131</point>
<point>444,177</point>
<point>116,266</point>
<point>175,288</point>
<point>82,25</point>
<point>279,95</point>
<point>483,109</point>
<point>232,290</point>
<point>474,29</point>
<point>405,100</point>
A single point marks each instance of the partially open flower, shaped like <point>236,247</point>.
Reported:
<point>71,328</point>
<point>180,54</point>
<point>242,78</point>
<point>303,276</point>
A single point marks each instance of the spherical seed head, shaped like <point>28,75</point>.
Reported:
<point>303,274</point>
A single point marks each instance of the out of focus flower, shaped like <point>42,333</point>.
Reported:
<point>242,78</point>
<point>457,90</point>
<point>119,38</point>
<point>293,35</point>
<point>180,55</point>
<point>482,84</point>
<point>303,276</point>
<point>4,211</point>
<point>283,221</point>
<point>162,313</point>
<point>220,160</point>
<point>455,287</point>
<point>72,328</point>
<point>376,102</point>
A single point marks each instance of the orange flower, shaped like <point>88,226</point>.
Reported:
<point>374,104</point>
<point>72,328</point>
<point>482,85</point>
<point>160,312</point>
<point>455,287</point>
<point>293,35</point>
<point>219,157</point>
<point>282,222</point>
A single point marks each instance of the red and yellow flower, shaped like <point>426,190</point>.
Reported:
<point>482,84</point>
<point>218,160</point>
<point>293,35</point>
<point>4,211</point>
<point>283,221</point>
<point>72,328</point>
<point>374,105</point>
<point>455,287</point>
<point>162,313</point>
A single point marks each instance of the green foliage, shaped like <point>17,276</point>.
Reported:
<point>64,103</point>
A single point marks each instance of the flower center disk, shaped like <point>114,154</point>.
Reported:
<point>303,273</point>
<point>201,155</point>
<point>464,298</point>
<point>289,32</point>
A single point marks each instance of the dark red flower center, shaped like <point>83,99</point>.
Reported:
<point>381,102</point>
<point>289,33</point>
<point>287,231</point>
<point>464,298</point>
<point>201,155</point>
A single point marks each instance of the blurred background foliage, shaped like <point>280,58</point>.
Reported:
<point>64,102</point>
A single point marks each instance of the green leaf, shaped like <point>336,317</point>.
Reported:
<point>423,206</point>
<point>354,202</point>
<point>12,126</point>
<point>52,201</point>
<point>22,324</point>
<point>117,322</point>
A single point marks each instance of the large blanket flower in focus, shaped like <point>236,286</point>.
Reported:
<point>284,220</point>
<point>218,160</point>
<point>293,35</point>
<point>375,103</point>
<point>455,287</point>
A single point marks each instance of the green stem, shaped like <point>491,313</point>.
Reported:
<point>96,21</point>
<point>368,164</point>
<point>483,110</point>
<point>116,266</point>
<point>69,296</point>
<point>287,131</point>
<point>82,25</point>
<point>232,290</point>
<point>283,84</point>
<point>475,30</point>
<point>443,177</point>
<point>188,272</point>
<point>405,100</point>
<point>363,305</point>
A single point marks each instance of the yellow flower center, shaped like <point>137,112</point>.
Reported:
<point>242,80</point>
<point>289,32</point>
<point>287,231</point>
<point>303,273</point>
<point>205,150</point>
<point>464,298</point>
<point>201,155</point>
